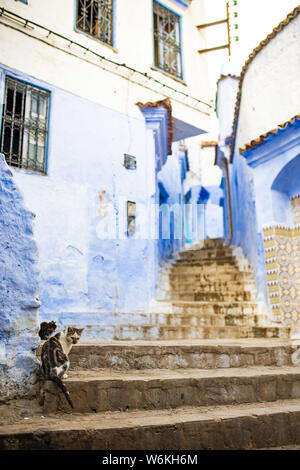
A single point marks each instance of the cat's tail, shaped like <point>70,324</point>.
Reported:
<point>62,386</point>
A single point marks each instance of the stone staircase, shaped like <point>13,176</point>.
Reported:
<point>209,292</point>
<point>206,371</point>
<point>167,395</point>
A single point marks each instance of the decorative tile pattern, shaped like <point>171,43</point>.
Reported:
<point>282,256</point>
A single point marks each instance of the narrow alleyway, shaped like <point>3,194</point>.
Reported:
<point>220,379</point>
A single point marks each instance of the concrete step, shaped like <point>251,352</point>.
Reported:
<point>205,354</point>
<point>243,426</point>
<point>183,331</point>
<point>109,390</point>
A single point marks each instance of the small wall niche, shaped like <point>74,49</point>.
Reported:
<point>131,217</point>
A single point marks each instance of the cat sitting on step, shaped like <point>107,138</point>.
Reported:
<point>55,357</point>
<point>46,330</point>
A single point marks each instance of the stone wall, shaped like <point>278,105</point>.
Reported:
<point>18,289</point>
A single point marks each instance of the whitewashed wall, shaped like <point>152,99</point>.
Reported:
<point>133,46</point>
<point>271,92</point>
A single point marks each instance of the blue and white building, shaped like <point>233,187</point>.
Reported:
<point>259,153</point>
<point>102,105</point>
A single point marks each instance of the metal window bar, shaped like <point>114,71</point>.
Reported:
<point>24,125</point>
<point>95,17</point>
<point>167,44</point>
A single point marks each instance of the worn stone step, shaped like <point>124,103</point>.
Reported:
<point>212,269</point>
<point>207,253</point>
<point>210,243</point>
<point>203,257</point>
<point>194,319</point>
<point>209,277</point>
<point>243,426</point>
<point>183,331</point>
<point>205,354</point>
<point>103,390</point>
<point>217,286</point>
<point>210,296</point>
<point>218,308</point>
<point>226,261</point>
<point>163,319</point>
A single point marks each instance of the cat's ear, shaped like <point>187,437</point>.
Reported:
<point>80,330</point>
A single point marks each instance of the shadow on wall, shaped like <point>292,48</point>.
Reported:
<point>282,247</point>
<point>285,186</point>
<point>18,289</point>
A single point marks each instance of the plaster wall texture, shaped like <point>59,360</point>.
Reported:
<point>172,209</point>
<point>89,267</point>
<point>264,178</point>
<point>261,197</point>
<point>81,224</point>
<point>50,59</point>
<point>276,182</point>
<point>18,287</point>
<point>270,91</point>
<point>226,98</point>
<point>88,264</point>
<point>246,232</point>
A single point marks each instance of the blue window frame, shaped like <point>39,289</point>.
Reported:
<point>24,129</point>
<point>95,18</point>
<point>167,40</point>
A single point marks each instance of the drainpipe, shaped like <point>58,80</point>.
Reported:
<point>225,163</point>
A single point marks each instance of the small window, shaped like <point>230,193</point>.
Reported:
<point>131,215</point>
<point>129,162</point>
<point>167,41</point>
<point>94,17</point>
<point>24,125</point>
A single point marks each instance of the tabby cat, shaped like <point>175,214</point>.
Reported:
<point>55,360</point>
<point>46,330</point>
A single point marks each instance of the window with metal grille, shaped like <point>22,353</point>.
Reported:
<point>167,41</point>
<point>95,17</point>
<point>24,125</point>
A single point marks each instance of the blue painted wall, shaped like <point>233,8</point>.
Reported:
<point>89,268</point>
<point>18,287</point>
<point>262,183</point>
